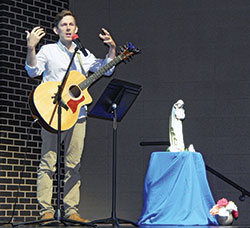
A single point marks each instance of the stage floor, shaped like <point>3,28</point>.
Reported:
<point>126,226</point>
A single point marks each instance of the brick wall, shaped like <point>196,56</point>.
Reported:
<point>18,163</point>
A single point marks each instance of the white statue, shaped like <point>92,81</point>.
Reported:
<point>175,128</point>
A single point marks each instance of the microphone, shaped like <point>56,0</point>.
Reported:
<point>76,40</point>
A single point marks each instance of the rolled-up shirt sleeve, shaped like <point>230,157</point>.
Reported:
<point>99,63</point>
<point>34,71</point>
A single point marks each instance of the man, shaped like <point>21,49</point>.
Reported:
<point>52,60</point>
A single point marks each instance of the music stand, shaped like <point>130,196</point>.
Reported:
<point>113,104</point>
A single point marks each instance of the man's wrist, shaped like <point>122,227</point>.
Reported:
<point>31,49</point>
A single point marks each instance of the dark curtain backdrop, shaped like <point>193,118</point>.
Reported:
<point>197,51</point>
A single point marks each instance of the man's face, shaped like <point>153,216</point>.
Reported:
<point>66,28</point>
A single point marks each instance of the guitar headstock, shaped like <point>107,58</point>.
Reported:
<point>128,51</point>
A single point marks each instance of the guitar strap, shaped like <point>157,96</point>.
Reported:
<point>80,61</point>
<point>85,74</point>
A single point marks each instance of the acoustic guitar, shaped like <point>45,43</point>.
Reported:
<point>74,95</point>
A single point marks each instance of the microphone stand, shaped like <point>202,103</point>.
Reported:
<point>60,103</point>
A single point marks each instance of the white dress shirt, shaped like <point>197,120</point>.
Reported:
<point>53,60</point>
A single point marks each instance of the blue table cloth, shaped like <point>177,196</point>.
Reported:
<point>176,191</point>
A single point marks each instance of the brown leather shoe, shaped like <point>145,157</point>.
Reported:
<point>76,217</point>
<point>48,216</point>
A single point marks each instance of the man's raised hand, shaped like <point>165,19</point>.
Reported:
<point>34,37</point>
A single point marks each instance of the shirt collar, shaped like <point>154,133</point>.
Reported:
<point>63,48</point>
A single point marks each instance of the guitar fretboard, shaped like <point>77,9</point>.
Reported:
<point>91,79</point>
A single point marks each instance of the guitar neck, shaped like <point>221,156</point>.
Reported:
<point>91,79</point>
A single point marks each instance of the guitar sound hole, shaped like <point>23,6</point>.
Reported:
<point>74,91</point>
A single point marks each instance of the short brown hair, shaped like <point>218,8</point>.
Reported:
<point>61,15</point>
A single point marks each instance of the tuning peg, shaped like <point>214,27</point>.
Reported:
<point>121,48</point>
